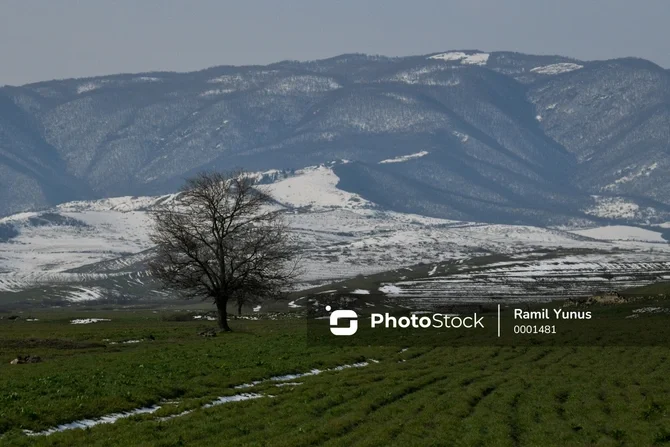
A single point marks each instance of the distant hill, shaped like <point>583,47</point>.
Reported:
<point>500,137</point>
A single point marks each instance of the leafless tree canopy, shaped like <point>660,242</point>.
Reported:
<point>220,238</point>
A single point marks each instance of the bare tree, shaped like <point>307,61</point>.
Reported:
<point>223,239</point>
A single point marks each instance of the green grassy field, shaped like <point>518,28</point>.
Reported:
<point>656,289</point>
<point>468,396</point>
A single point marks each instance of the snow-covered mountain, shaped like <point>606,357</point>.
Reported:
<point>85,251</point>
<point>468,135</point>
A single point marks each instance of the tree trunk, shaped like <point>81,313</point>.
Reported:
<point>223,314</point>
<point>239,309</point>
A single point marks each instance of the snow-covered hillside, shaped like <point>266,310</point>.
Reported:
<point>314,187</point>
<point>622,233</point>
<point>97,249</point>
<point>530,278</point>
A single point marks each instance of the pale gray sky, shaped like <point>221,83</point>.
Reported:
<point>47,39</point>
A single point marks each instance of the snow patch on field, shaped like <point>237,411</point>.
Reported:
<point>361,292</point>
<point>87,423</point>
<point>288,384</point>
<point>621,233</point>
<point>390,289</point>
<point>293,377</point>
<point>127,342</point>
<point>466,59</point>
<point>112,418</point>
<point>235,398</point>
<point>554,69</point>
<point>89,320</point>
<point>404,158</point>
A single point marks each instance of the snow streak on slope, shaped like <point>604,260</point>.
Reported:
<point>554,69</point>
<point>466,59</point>
<point>85,294</point>
<point>633,172</point>
<point>404,158</point>
<point>88,87</point>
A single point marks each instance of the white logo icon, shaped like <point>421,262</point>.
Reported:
<point>343,314</point>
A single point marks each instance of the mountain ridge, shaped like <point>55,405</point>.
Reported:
<point>501,130</point>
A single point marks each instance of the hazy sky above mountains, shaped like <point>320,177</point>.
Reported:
<point>45,39</point>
